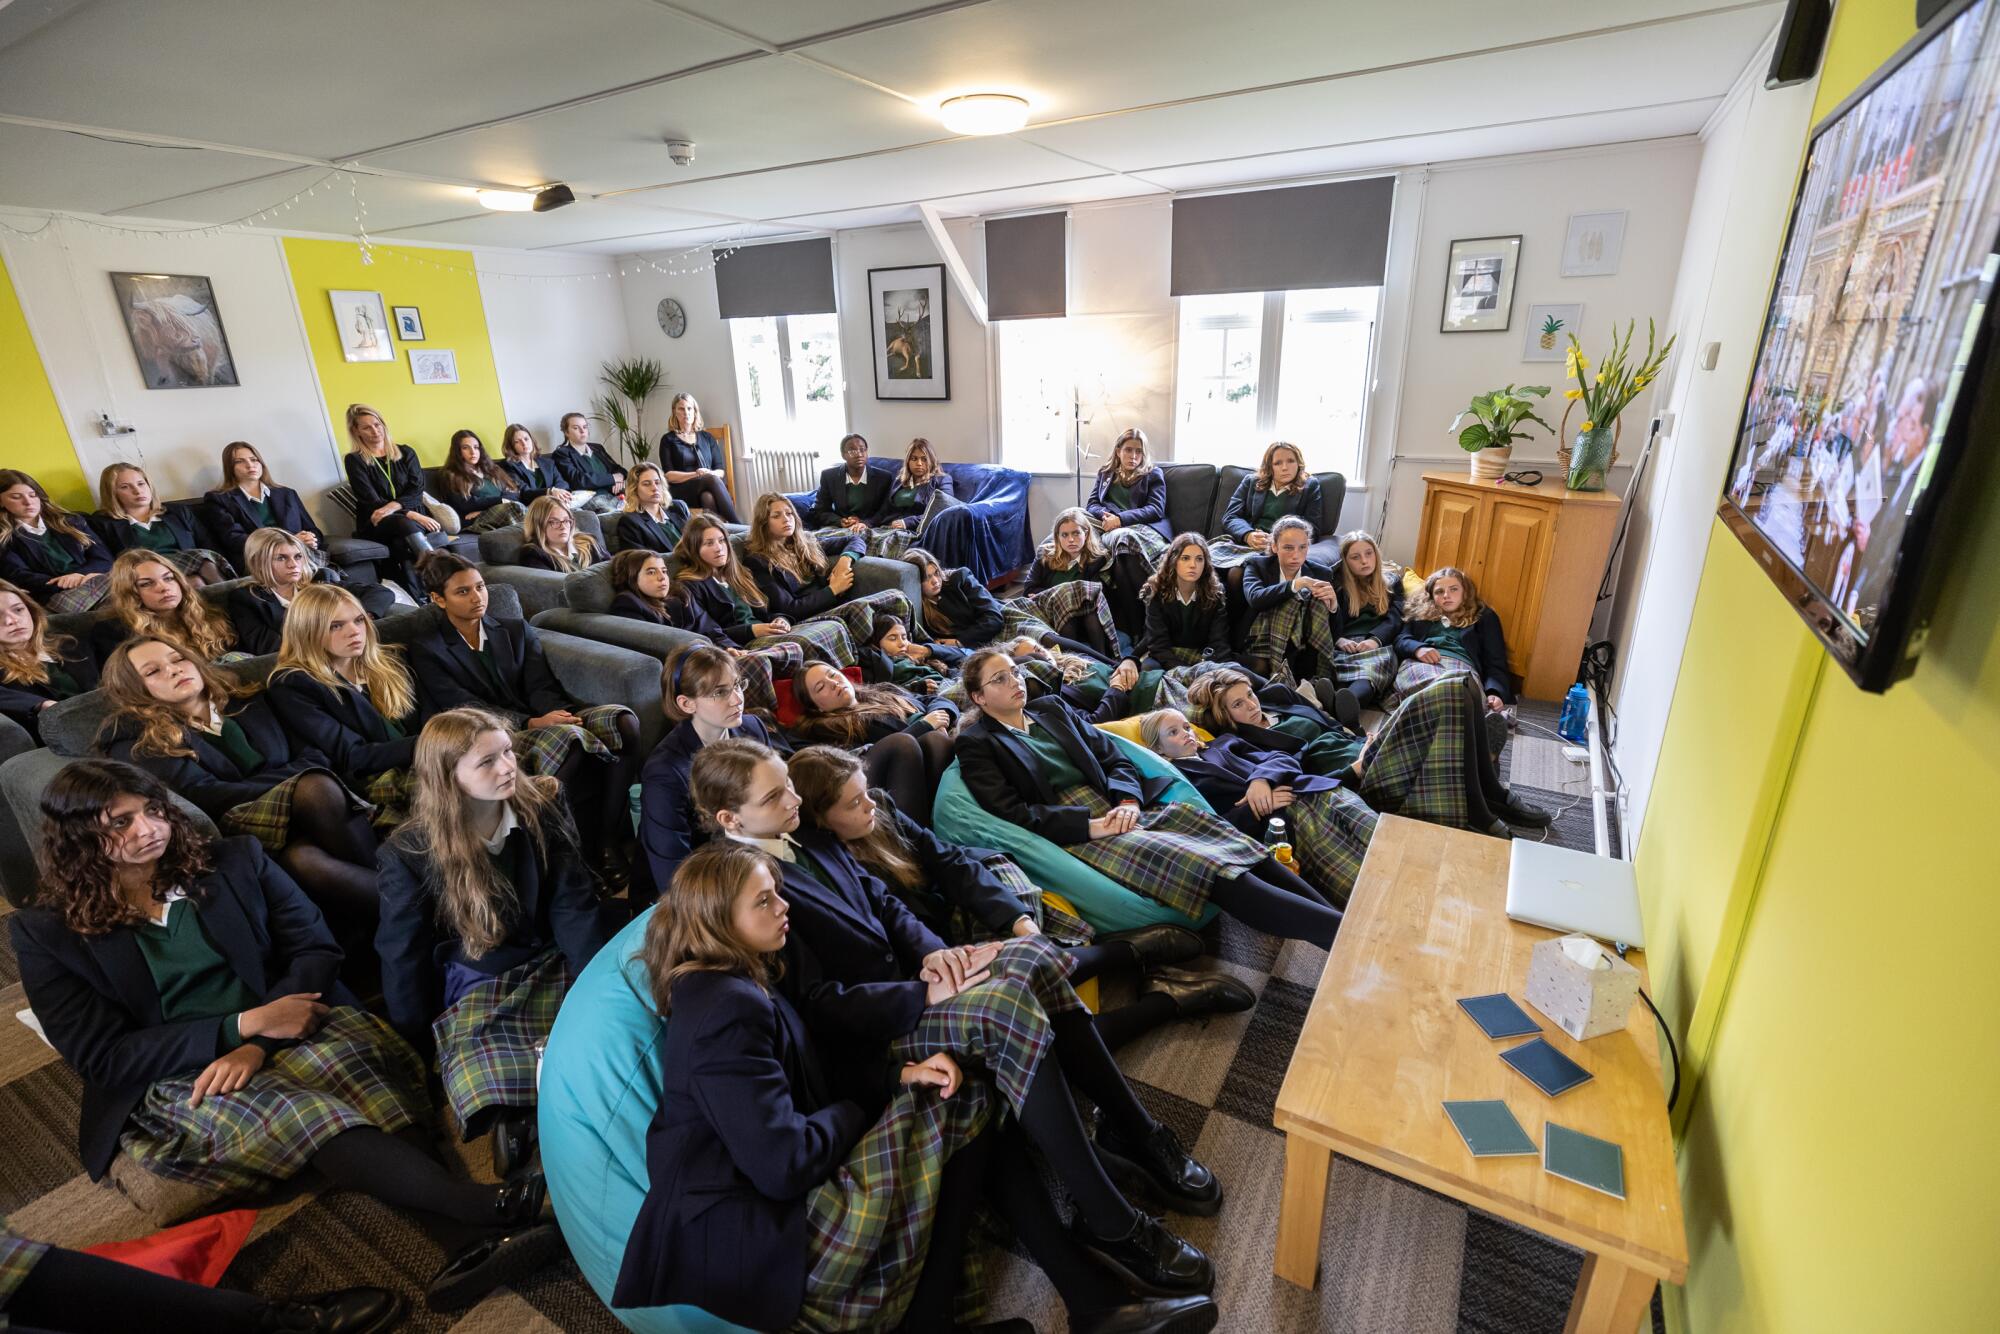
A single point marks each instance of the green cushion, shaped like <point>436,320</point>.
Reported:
<point>1102,901</point>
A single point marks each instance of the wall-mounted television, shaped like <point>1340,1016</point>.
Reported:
<point>1876,352</point>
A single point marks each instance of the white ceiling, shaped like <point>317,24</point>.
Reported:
<point>808,115</point>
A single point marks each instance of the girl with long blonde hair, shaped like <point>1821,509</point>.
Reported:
<point>1367,619</point>
<point>550,540</point>
<point>1446,628</point>
<point>152,596</point>
<point>652,519</point>
<point>46,550</point>
<point>279,567</point>
<point>349,696</point>
<point>37,669</point>
<point>919,483</point>
<point>488,914</point>
<point>134,517</point>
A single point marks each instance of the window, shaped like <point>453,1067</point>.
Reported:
<point>1261,366</point>
<point>1037,385</point>
<point>788,381</point>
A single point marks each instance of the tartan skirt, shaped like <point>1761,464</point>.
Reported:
<point>857,616</point>
<point>1414,765</point>
<point>1375,667</point>
<point>86,596</point>
<point>354,1072</point>
<point>191,560</point>
<point>18,1258</point>
<point>1330,833</point>
<point>268,818</point>
<point>543,749</point>
<point>868,1227</point>
<point>500,514</point>
<point>888,543</point>
<point>389,792</point>
<point>1140,539</point>
<point>1412,675</point>
<point>486,1041</point>
<point>1294,623</point>
<point>818,640</point>
<point>1053,913</point>
<point>1173,856</point>
<point>1048,611</point>
<point>1001,1026</point>
<point>1226,553</point>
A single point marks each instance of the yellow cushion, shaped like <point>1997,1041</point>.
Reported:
<point>1129,729</point>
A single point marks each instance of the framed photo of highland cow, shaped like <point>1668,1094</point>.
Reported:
<point>906,319</point>
<point>176,330</point>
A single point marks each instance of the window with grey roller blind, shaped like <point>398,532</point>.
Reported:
<point>1307,236</point>
<point>1027,267</point>
<point>782,278</point>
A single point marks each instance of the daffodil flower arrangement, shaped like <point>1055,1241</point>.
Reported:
<point>1617,382</point>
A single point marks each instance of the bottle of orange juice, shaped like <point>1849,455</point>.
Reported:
<point>1280,844</point>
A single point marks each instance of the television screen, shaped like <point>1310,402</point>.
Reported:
<point>1855,418</point>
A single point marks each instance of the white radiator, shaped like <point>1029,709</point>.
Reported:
<point>779,470</point>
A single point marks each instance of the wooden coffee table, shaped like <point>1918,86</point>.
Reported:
<point>1385,1044</point>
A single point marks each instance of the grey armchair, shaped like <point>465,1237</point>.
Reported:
<point>540,590</point>
<point>586,614</point>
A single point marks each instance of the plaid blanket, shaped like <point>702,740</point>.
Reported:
<point>543,749</point>
<point>819,640</point>
<point>354,1072</point>
<point>1412,675</point>
<point>1371,667</point>
<point>889,543</point>
<point>1415,763</point>
<point>1140,538</point>
<point>18,1258</point>
<point>1048,611</point>
<point>486,1041</point>
<point>1172,856</point>
<point>1330,834</point>
<point>1226,553</point>
<point>857,615</point>
<point>268,818</point>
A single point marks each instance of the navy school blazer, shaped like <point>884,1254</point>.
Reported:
<point>926,491</point>
<point>534,558</point>
<point>1041,578</point>
<point>830,505</point>
<point>668,828</point>
<point>744,1131</point>
<point>1148,497</point>
<point>1264,586</point>
<point>555,905</point>
<point>182,520</point>
<point>598,472</point>
<point>25,563</point>
<point>954,877</point>
<point>1163,632</point>
<point>404,485</point>
<point>975,615</point>
<point>1005,778</point>
<point>1483,640</point>
<point>1392,624</point>
<point>708,609</point>
<point>344,725</point>
<point>259,618</point>
<point>450,677</point>
<point>231,520</point>
<point>793,599</point>
<point>636,528</point>
<point>1242,515</point>
<point>534,482</point>
<point>1226,766</point>
<point>97,1001</point>
<point>23,700</point>
<point>209,778</point>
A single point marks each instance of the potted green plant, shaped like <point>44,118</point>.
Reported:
<point>1603,396</point>
<point>1502,416</point>
<point>622,408</point>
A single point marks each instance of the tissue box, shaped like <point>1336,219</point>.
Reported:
<point>1585,1000</point>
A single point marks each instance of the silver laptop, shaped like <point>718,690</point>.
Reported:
<point>1574,891</point>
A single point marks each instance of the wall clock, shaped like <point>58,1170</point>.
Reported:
<point>673,320</point>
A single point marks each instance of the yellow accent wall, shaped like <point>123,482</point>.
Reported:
<point>1822,896</point>
<point>37,440</point>
<point>454,318</point>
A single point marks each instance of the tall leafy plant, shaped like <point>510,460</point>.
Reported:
<point>622,407</point>
<point>1500,415</point>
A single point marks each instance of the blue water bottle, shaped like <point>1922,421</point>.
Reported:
<point>1573,725</point>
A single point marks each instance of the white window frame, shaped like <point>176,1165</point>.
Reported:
<point>787,354</point>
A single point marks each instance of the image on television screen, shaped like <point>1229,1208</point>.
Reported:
<point>1879,294</point>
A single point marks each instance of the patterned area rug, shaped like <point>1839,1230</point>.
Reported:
<point>1394,1257</point>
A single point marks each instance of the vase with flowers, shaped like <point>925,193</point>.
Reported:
<point>1602,396</point>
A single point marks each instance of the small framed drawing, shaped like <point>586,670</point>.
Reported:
<point>1548,330</point>
<point>362,325</point>
<point>1479,285</point>
<point>1595,244</point>
<point>906,316</point>
<point>430,365</point>
<point>409,323</point>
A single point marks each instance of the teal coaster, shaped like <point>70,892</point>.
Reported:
<point>1584,1159</point>
<point>1488,1128</point>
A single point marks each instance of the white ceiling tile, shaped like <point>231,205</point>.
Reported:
<point>781,22</point>
<point>52,169</point>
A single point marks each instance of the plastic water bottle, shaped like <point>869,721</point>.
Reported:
<point>1573,725</point>
<point>1278,841</point>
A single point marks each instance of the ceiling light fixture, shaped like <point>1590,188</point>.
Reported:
<point>984,113</point>
<point>507,201</point>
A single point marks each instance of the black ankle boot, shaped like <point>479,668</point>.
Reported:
<point>1149,1260</point>
<point>1159,943</point>
<point>1155,1315</point>
<point>348,1311</point>
<point>1161,1167</point>
<point>513,1141</point>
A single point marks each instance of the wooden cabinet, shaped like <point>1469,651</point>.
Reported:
<point>1536,554</point>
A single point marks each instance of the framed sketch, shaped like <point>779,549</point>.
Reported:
<point>409,323</point>
<point>362,325</point>
<point>176,330</point>
<point>1479,285</point>
<point>1594,245</point>
<point>906,317</point>
<point>1547,331</point>
<point>430,365</point>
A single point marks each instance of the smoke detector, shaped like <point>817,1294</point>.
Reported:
<point>681,151</point>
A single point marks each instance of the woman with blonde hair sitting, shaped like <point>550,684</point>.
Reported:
<point>389,499</point>
<point>550,540</point>
<point>488,914</point>
<point>37,669</point>
<point>151,596</point>
<point>279,567</point>
<point>694,461</point>
<point>132,516</point>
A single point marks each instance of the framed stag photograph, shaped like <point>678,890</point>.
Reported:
<point>176,330</point>
<point>906,319</point>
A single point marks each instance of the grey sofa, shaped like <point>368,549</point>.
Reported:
<point>1197,494</point>
<point>540,590</point>
<point>586,613</point>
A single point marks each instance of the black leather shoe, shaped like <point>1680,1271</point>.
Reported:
<point>1496,732</point>
<point>348,1311</point>
<point>1514,811</point>
<point>523,1200</point>
<point>1156,1315</point>
<point>513,1141</point>
<point>1149,1260</point>
<point>1161,943</point>
<point>1161,1167</point>
<point>1347,709</point>
<point>486,1265</point>
<point>1198,995</point>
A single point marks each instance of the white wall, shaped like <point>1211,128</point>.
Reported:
<point>74,318</point>
<point>550,338</point>
<point>699,361</point>
<point>1741,199</point>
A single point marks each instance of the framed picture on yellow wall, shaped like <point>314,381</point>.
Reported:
<point>362,324</point>
<point>431,365</point>
<point>409,324</point>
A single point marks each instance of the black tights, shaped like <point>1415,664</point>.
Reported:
<point>1277,901</point>
<point>400,1171</point>
<point>1050,1118</point>
<point>1129,573</point>
<point>74,1293</point>
<point>408,543</point>
<point>1084,633</point>
<point>603,788</point>
<point>706,494</point>
<point>330,850</point>
<point>909,768</point>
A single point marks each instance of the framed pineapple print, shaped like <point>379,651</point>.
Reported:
<point>1549,329</point>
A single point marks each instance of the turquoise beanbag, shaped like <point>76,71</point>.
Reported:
<point>600,1086</point>
<point>1103,902</point>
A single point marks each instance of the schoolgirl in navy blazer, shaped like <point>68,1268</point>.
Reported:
<point>1147,502</point>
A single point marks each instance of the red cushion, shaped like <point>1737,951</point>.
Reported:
<point>194,1252</point>
<point>789,712</point>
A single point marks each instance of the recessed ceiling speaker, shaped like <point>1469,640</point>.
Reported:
<point>554,197</point>
<point>1801,39</point>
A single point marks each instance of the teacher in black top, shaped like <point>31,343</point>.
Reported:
<point>388,485</point>
<point>696,469</point>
